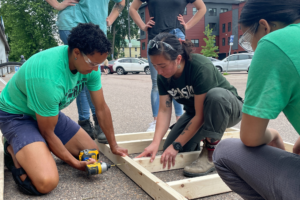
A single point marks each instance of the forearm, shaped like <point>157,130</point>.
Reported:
<point>190,130</point>
<point>162,122</point>
<point>196,18</point>
<point>136,18</point>
<point>118,8</point>
<point>58,149</point>
<point>105,122</point>
<point>53,3</point>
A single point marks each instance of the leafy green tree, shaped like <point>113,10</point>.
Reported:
<point>210,50</point>
<point>119,30</point>
<point>30,26</point>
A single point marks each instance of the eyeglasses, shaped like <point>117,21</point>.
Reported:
<point>88,61</point>
<point>246,39</point>
<point>159,45</point>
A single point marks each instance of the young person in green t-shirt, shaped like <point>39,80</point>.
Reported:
<point>257,166</point>
<point>30,104</point>
<point>211,104</point>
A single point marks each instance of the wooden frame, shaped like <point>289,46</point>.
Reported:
<point>140,170</point>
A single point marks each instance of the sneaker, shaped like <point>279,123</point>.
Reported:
<point>152,126</point>
<point>201,166</point>
<point>88,127</point>
<point>99,133</point>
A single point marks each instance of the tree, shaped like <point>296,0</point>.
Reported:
<point>30,26</point>
<point>119,30</point>
<point>210,50</point>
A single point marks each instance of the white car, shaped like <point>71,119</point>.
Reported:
<point>133,65</point>
<point>235,62</point>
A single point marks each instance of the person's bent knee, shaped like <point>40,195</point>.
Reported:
<point>46,184</point>
<point>223,149</point>
<point>216,94</point>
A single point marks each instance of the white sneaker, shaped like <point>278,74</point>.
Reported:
<point>152,126</point>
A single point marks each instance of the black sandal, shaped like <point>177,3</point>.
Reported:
<point>26,185</point>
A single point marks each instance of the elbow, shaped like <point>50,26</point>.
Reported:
<point>249,142</point>
<point>132,11</point>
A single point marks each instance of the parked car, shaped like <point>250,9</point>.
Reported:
<point>110,67</point>
<point>133,65</point>
<point>235,62</point>
<point>213,59</point>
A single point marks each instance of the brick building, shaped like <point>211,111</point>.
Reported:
<point>220,14</point>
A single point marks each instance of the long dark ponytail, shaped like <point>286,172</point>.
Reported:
<point>184,48</point>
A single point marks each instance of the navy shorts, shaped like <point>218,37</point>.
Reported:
<point>21,130</point>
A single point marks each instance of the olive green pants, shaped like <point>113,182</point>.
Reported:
<point>221,109</point>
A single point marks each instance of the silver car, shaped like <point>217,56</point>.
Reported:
<point>133,65</point>
<point>235,62</point>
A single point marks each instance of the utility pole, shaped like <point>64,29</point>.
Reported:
<point>129,30</point>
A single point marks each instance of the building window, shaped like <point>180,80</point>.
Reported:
<point>228,40</point>
<point>136,56</point>
<point>135,49</point>
<point>212,12</point>
<point>213,26</point>
<point>123,49</point>
<point>143,16</point>
<point>223,41</point>
<point>194,11</point>
<point>185,11</point>
<point>214,42</point>
<point>223,28</point>
<point>142,32</point>
<point>143,46</point>
<point>195,42</point>
<point>224,10</point>
<point>241,36</point>
<point>229,26</point>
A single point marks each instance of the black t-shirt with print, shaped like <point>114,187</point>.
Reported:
<point>198,77</point>
<point>165,13</point>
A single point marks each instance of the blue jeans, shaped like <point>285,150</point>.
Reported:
<point>83,100</point>
<point>154,92</point>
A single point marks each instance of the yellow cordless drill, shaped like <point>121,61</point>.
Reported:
<point>96,168</point>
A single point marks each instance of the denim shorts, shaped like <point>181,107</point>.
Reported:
<point>21,130</point>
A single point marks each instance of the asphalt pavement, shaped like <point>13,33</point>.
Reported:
<point>128,97</point>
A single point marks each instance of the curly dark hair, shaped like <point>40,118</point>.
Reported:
<point>88,38</point>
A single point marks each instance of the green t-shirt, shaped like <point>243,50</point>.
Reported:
<point>273,80</point>
<point>85,11</point>
<point>45,85</point>
<point>198,77</point>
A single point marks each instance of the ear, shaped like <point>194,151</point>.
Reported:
<point>264,26</point>
<point>76,52</point>
<point>179,58</point>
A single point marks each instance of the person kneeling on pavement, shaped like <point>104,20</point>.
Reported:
<point>211,104</point>
<point>30,104</point>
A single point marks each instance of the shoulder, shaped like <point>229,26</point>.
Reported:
<point>199,61</point>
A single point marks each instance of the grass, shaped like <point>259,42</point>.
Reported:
<point>225,73</point>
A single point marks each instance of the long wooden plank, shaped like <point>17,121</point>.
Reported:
<point>200,187</point>
<point>148,135</point>
<point>1,168</point>
<point>135,136</point>
<point>155,187</point>
<point>138,146</point>
<point>182,159</point>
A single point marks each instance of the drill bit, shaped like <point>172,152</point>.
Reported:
<point>115,165</point>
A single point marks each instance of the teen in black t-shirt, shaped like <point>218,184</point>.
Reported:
<point>210,102</point>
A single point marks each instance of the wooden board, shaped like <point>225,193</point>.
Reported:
<point>200,186</point>
<point>182,159</point>
<point>136,136</point>
<point>155,187</point>
<point>138,146</point>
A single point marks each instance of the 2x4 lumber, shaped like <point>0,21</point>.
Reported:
<point>138,146</point>
<point>152,185</point>
<point>148,135</point>
<point>288,146</point>
<point>1,168</point>
<point>200,186</point>
<point>135,136</point>
<point>182,159</point>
